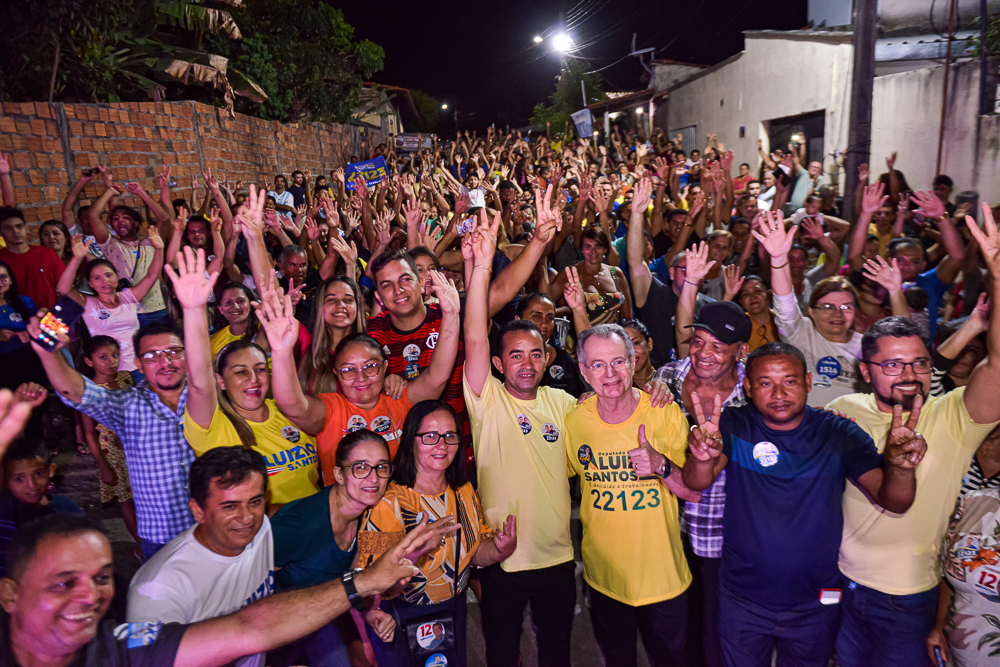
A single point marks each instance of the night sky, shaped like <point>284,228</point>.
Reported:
<point>480,57</point>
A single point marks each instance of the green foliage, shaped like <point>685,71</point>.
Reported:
<point>428,111</point>
<point>298,54</point>
<point>302,55</point>
<point>992,37</point>
<point>567,97</point>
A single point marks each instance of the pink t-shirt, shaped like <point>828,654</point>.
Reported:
<point>120,323</point>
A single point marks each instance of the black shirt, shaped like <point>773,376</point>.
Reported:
<point>125,645</point>
<point>298,195</point>
<point>658,315</point>
<point>303,309</point>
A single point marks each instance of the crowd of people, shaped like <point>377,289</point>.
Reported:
<point>333,411</point>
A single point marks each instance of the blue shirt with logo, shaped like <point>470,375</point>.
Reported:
<point>783,519</point>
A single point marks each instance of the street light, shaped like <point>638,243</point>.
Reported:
<point>561,42</point>
<point>444,106</point>
<point>538,39</point>
<point>639,111</point>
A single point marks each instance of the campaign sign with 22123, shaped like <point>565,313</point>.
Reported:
<point>374,171</point>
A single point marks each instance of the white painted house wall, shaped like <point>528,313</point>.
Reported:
<point>778,76</point>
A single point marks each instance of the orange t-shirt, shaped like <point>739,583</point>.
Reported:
<point>343,417</point>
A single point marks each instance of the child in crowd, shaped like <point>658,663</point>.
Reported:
<point>27,470</point>
<point>100,362</point>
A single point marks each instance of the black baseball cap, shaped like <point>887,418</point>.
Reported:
<point>726,321</point>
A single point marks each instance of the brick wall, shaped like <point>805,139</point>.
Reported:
<point>50,144</point>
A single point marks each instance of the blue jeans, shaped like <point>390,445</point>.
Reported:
<point>149,549</point>
<point>885,630</point>
<point>149,318</point>
<point>804,635</point>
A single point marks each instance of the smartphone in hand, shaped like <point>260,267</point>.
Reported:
<point>63,315</point>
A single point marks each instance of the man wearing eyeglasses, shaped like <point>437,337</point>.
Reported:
<point>890,561</point>
<point>149,419</point>
<point>628,454</point>
<point>222,563</point>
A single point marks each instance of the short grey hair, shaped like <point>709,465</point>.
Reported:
<point>608,332</point>
<point>678,258</point>
<point>290,250</point>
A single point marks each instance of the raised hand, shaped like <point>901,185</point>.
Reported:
<point>80,249</point>
<point>928,205</point>
<point>277,316</point>
<point>155,239</point>
<point>133,188</point>
<point>32,393</point>
<point>863,173</point>
<point>641,194</point>
<point>211,183</point>
<point>252,218</point>
<point>14,417</point>
<point>662,169</point>
<point>811,229</point>
<point>312,229</point>
<point>191,287</point>
<point>885,274</point>
<point>697,204</point>
<point>411,213</point>
<point>705,442</point>
<point>988,239</point>
<point>446,292</point>
<point>873,198</point>
<point>698,265</point>
<point>645,460</point>
<point>106,176</point>
<point>348,252</point>
<point>890,162</point>
<point>726,162</point>
<point>5,165</point>
<point>980,315</point>
<point>361,187</point>
<point>904,446</point>
<point>573,290</point>
<point>733,279</point>
<point>462,203</point>
<point>505,539</point>
<point>775,239</point>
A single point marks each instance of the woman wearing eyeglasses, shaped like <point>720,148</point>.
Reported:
<point>360,366</point>
<point>427,480</point>
<point>830,346</point>
<point>227,395</point>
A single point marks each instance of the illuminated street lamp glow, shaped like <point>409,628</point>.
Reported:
<point>562,42</point>
<point>538,39</point>
<point>639,110</point>
<point>444,106</point>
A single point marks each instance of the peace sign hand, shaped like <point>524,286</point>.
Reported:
<point>573,290</point>
<point>645,460</point>
<point>989,242</point>
<point>705,442</point>
<point>904,446</point>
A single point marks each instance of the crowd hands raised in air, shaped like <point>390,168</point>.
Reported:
<point>328,408</point>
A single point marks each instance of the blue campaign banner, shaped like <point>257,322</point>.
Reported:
<point>373,171</point>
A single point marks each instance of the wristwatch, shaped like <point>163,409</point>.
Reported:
<point>665,469</point>
<point>353,596</point>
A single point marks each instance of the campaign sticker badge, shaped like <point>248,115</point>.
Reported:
<point>524,423</point>
<point>385,348</point>
<point>290,433</point>
<point>585,455</point>
<point>412,371</point>
<point>381,425</point>
<point>557,372</point>
<point>765,453</point>
<point>828,369</point>
<point>103,315</point>
<point>136,635</point>
<point>436,660</point>
<point>411,352</point>
<point>430,635</point>
<point>432,340</point>
<point>16,317</point>
<point>987,581</point>
<point>356,423</point>
<point>550,432</point>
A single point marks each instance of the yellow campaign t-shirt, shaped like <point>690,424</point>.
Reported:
<point>222,338</point>
<point>290,454</point>
<point>521,464</point>
<point>898,554</point>
<point>632,549</point>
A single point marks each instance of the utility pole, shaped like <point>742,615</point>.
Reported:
<point>859,133</point>
<point>986,95</point>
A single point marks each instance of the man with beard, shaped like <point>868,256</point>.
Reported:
<point>149,419</point>
<point>787,465</point>
<point>891,561</point>
<point>131,257</point>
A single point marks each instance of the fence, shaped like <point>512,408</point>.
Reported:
<point>51,143</point>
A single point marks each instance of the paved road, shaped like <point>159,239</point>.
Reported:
<point>78,477</point>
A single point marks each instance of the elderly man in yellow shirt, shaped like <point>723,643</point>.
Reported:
<point>629,455</point>
<point>889,560</point>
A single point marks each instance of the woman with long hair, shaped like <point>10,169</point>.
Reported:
<point>112,312</point>
<point>427,480</point>
<point>227,397</point>
<point>54,234</point>
<point>236,319</point>
<point>606,293</point>
<point>338,311</point>
<point>19,362</point>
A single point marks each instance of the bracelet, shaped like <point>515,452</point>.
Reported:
<point>483,266</point>
<point>690,283</point>
<point>780,266</point>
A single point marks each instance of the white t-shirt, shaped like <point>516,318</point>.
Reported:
<point>801,215</point>
<point>477,196</point>
<point>286,198</point>
<point>834,366</point>
<point>120,323</point>
<point>186,582</point>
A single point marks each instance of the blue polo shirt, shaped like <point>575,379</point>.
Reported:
<point>783,519</point>
<point>936,289</point>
